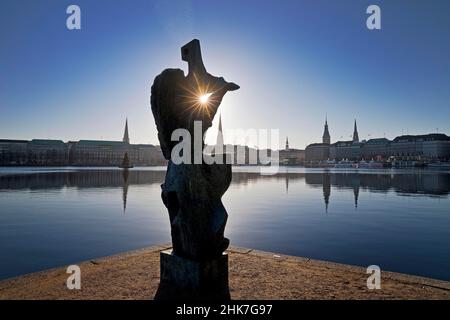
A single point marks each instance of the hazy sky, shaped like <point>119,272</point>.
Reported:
<point>296,61</point>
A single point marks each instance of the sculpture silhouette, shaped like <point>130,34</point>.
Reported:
<point>192,192</point>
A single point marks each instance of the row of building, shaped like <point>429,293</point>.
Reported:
<point>427,147</point>
<point>45,152</point>
<point>41,152</point>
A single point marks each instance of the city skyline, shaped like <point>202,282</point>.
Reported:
<point>220,136</point>
<point>331,64</point>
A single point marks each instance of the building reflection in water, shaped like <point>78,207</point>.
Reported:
<point>326,187</point>
<point>125,175</point>
<point>422,183</point>
<point>426,184</point>
<point>356,195</point>
<point>287,184</point>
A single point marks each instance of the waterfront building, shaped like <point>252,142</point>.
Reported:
<point>13,152</point>
<point>376,149</point>
<point>345,150</point>
<point>319,151</point>
<point>99,153</point>
<point>425,148</point>
<point>111,153</point>
<point>42,152</point>
<point>290,156</point>
<point>433,146</point>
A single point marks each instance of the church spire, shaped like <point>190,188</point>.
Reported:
<point>355,133</point>
<point>287,144</point>
<point>219,141</point>
<point>126,137</point>
<point>326,134</point>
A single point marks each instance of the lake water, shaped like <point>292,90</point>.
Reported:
<point>399,220</point>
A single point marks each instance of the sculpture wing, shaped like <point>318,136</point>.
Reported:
<point>163,100</point>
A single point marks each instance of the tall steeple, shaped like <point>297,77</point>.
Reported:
<point>126,137</point>
<point>287,144</point>
<point>219,141</point>
<point>326,134</point>
<point>355,133</point>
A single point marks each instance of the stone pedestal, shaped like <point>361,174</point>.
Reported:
<point>211,275</point>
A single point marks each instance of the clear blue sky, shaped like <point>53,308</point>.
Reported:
<point>295,61</point>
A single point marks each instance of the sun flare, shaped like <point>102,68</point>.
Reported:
<point>204,98</point>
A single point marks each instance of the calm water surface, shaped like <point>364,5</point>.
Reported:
<point>399,220</point>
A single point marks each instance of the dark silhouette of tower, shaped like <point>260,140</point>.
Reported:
<point>326,134</point>
<point>326,188</point>
<point>355,133</point>
<point>356,195</point>
<point>287,183</point>
<point>125,174</point>
<point>126,137</point>
<point>355,181</point>
<point>287,144</point>
<point>219,141</point>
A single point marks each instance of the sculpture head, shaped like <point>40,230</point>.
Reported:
<point>191,53</point>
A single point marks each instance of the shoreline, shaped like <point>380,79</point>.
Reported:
<point>253,274</point>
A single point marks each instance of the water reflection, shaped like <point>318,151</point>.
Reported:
<point>428,184</point>
<point>52,217</point>
<point>125,174</point>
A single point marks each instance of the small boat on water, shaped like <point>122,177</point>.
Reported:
<point>126,164</point>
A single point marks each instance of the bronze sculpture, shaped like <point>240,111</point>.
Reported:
<point>192,192</point>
